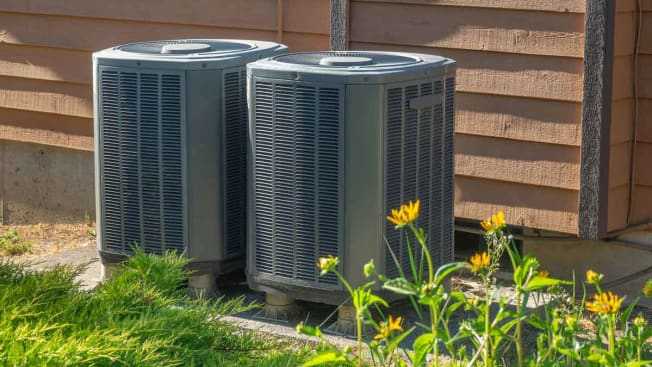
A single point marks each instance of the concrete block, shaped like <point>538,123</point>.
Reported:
<point>623,264</point>
<point>45,184</point>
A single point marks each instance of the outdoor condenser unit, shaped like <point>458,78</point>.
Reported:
<point>170,148</point>
<point>337,140</point>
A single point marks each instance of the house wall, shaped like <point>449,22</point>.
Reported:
<point>519,83</point>
<point>46,72</point>
<point>623,132</point>
<point>642,208</point>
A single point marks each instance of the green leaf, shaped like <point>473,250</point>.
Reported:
<point>422,346</point>
<point>325,357</point>
<point>401,286</point>
<point>308,330</point>
<point>639,363</point>
<point>543,282</point>
<point>396,341</point>
<point>374,299</point>
<point>446,270</point>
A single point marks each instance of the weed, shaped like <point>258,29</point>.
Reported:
<point>12,244</point>
<point>91,230</point>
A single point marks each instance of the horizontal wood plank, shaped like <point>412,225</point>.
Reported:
<point>617,207</point>
<point>81,126</point>
<point>299,42</point>
<point>46,137</point>
<point>645,76</point>
<point>306,16</point>
<point>623,78</point>
<point>15,5</point>
<point>641,208</point>
<point>643,173</point>
<point>622,121</point>
<point>64,32</point>
<point>563,6</point>
<point>619,163</point>
<point>517,161</point>
<point>519,118</point>
<point>46,96</point>
<point>46,63</point>
<point>506,74</point>
<point>631,5</point>
<point>645,120</point>
<point>252,14</point>
<point>524,205</point>
<point>538,33</point>
<point>646,33</point>
<point>624,34</point>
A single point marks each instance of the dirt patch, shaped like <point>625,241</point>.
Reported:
<point>47,239</point>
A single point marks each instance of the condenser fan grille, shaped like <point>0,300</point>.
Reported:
<point>141,130</point>
<point>297,179</point>
<point>419,165</point>
<point>235,157</point>
<point>196,46</point>
<point>350,59</point>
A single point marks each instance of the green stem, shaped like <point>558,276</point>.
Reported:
<point>487,324</point>
<point>611,334</point>
<point>433,324</point>
<point>519,350</point>
<point>434,320</point>
<point>359,329</point>
<point>426,252</point>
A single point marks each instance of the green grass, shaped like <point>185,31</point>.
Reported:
<point>141,317</point>
<point>11,243</point>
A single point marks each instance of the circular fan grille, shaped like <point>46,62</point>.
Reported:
<point>348,59</point>
<point>193,47</point>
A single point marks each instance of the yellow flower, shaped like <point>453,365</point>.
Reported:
<point>571,321</point>
<point>327,264</point>
<point>543,273</point>
<point>479,262</point>
<point>647,288</point>
<point>592,277</point>
<point>604,303</point>
<point>494,223</point>
<point>408,213</point>
<point>639,321</point>
<point>386,328</point>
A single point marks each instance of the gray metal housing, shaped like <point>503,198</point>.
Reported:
<point>338,139</point>
<point>170,148</point>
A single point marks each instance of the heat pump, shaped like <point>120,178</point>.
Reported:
<point>170,148</point>
<point>338,139</point>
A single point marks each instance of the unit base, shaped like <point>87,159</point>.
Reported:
<point>278,307</point>
<point>304,293</point>
<point>345,324</point>
<point>335,297</point>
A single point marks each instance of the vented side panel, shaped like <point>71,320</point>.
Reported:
<point>297,173</point>
<point>448,215</point>
<point>235,151</point>
<point>419,165</point>
<point>141,160</point>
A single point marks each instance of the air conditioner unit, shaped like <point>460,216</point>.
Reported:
<point>170,148</point>
<point>338,139</point>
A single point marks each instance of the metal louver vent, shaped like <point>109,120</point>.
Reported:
<point>235,153</point>
<point>298,178</point>
<point>418,149</point>
<point>141,132</point>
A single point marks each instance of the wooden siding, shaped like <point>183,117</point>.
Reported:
<point>46,46</point>
<point>623,115</point>
<point>519,83</point>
